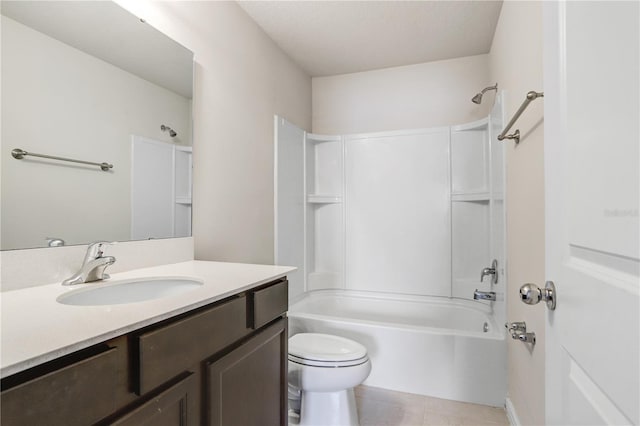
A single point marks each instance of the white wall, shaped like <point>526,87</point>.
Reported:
<point>60,101</point>
<point>424,95</point>
<point>241,80</point>
<point>516,64</point>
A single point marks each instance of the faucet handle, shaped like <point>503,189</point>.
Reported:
<point>493,271</point>
<point>95,249</point>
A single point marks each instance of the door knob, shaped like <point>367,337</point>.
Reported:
<point>532,294</point>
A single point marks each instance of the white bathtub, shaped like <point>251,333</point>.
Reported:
<point>429,346</point>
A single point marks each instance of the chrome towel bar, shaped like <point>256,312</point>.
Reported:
<point>19,154</point>
<point>531,96</point>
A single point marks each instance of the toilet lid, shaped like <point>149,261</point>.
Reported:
<point>325,347</point>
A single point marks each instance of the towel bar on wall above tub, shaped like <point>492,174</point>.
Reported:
<point>19,154</point>
<point>531,96</point>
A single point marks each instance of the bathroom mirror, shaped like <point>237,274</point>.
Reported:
<point>90,81</point>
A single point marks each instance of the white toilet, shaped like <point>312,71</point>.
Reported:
<point>323,370</point>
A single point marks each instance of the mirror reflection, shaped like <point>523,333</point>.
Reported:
<point>89,81</point>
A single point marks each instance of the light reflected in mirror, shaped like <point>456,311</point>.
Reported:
<point>90,81</point>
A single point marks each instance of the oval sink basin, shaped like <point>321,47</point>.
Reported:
<point>128,291</point>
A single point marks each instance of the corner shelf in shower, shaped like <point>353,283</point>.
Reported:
<point>323,199</point>
<point>470,196</point>
<point>183,200</point>
<point>312,137</point>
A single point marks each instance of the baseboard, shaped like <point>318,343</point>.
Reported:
<point>511,413</point>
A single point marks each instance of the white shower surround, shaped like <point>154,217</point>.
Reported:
<point>397,212</point>
<point>419,321</point>
<point>424,345</point>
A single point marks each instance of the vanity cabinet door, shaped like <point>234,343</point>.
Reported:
<point>247,386</point>
<point>174,406</point>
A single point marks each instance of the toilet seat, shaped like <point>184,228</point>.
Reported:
<point>324,350</point>
<point>327,364</point>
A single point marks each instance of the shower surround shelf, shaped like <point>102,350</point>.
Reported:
<point>470,196</point>
<point>324,199</point>
<point>312,137</point>
<point>183,200</point>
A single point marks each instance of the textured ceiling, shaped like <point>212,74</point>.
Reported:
<point>338,37</point>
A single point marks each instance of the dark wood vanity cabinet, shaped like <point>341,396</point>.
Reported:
<point>222,364</point>
<point>247,385</point>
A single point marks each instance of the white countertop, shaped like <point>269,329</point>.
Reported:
<point>36,328</point>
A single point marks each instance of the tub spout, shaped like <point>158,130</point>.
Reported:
<point>484,295</point>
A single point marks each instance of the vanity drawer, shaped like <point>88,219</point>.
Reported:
<point>165,352</point>
<point>268,303</point>
<point>77,394</point>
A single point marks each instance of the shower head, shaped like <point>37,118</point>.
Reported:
<point>477,99</point>
<point>172,132</point>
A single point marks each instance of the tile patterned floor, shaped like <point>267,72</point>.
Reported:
<point>381,407</point>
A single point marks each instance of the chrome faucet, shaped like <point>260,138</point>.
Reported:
<point>93,266</point>
<point>484,295</point>
<point>493,271</point>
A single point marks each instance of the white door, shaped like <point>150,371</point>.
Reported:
<point>591,172</point>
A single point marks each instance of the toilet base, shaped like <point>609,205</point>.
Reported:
<point>328,409</point>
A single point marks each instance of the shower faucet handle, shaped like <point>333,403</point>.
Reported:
<point>493,271</point>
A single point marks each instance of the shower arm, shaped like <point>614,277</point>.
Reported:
<point>486,89</point>
<point>531,96</point>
